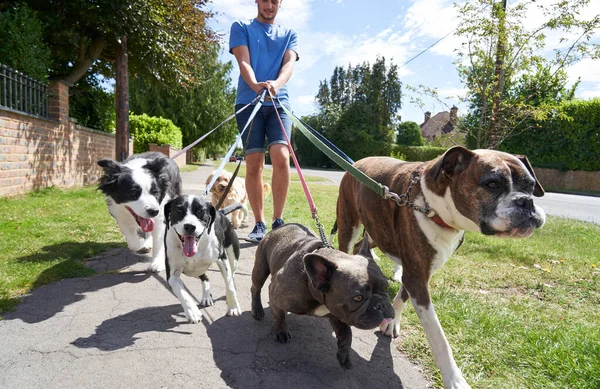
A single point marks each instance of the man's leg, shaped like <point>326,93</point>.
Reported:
<point>280,160</point>
<point>254,184</point>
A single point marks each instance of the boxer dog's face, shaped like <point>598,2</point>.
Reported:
<point>491,192</point>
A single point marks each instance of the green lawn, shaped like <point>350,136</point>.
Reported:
<point>517,313</point>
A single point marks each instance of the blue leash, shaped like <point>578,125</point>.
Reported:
<point>261,99</point>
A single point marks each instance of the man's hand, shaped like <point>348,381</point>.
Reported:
<point>273,87</point>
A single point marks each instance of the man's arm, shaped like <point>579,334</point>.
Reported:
<point>287,69</point>
<point>242,55</point>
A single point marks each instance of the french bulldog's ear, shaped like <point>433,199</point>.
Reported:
<point>319,270</point>
<point>453,162</point>
<point>538,191</point>
<point>212,211</point>
<point>365,249</point>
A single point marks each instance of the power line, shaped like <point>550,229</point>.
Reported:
<point>435,43</point>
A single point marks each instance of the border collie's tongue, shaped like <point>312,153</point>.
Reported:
<point>147,225</point>
<point>190,246</point>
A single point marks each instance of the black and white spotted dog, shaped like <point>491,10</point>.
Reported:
<point>197,236</point>
<point>136,192</point>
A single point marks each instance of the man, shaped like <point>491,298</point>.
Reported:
<point>266,53</point>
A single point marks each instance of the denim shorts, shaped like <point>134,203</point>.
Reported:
<point>265,124</point>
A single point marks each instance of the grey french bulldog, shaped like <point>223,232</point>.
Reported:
<point>308,279</point>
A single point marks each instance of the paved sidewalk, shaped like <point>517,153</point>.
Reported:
<point>123,328</point>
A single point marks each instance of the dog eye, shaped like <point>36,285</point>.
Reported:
<point>493,185</point>
<point>358,298</point>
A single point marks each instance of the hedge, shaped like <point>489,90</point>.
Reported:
<point>148,129</point>
<point>570,140</point>
<point>417,153</point>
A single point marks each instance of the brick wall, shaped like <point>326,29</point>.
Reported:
<point>170,151</point>
<point>569,180</point>
<point>37,153</point>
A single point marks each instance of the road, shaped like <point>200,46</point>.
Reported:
<point>584,208</point>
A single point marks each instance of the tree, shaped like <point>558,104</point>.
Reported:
<point>503,66</point>
<point>164,36</point>
<point>359,107</point>
<point>23,47</point>
<point>409,134</point>
<point>196,109</point>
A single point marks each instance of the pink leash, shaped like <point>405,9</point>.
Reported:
<point>311,203</point>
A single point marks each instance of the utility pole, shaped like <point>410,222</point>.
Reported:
<point>495,133</point>
<point>122,101</point>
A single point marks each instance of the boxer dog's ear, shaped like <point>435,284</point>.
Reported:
<point>319,270</point>
<point>453,162</point>
<point>538,191</point>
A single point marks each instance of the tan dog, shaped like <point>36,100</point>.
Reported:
<point>483,191</point>
<point>237,194</point>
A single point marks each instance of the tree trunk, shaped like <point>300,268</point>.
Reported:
<point>85,60</point>
<point>495,134</point>
<point>122,101</point>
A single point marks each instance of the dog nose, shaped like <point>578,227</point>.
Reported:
<point>525,202</point>
<point>152,212</point>
<point>189,228</point>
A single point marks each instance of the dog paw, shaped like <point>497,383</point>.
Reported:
<point>391,328</point>
<point>193,314</point>
<point>207,301</point>
<point>156,267</point>
<point>344,360</point>
<point>282,337</point>
<point>456,382</point>
<point>234,312</point>
<point>258,313</point>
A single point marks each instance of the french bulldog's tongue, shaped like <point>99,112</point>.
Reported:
<point>147,225</point>
<point>189,246</point>
<point>385,321</point>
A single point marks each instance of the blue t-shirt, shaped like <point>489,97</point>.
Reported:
<point>267,44</point>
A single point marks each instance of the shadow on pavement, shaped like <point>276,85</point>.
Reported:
<point>248,357</point>
<point>46,301</point>
<point>120,332</point>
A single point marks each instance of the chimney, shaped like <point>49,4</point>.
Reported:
<point>454,115</point>
<point>427,116</point>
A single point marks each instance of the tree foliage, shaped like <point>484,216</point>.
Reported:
<point>164,36</point>
<point>409,134</point>
<point>23,47</point>
<point>358,109</point>
<point>92,105</point>
<point>529,83</point>
<point>196,109</point>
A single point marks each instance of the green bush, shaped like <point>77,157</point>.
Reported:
<point>409,134</point>
<point>23,47</point>
<point>417,153</point>
<point>147,129</point>
<point>569,140</point>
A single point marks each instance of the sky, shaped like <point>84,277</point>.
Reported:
<point>349,32</point>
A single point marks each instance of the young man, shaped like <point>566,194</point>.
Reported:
<point>266,53</point>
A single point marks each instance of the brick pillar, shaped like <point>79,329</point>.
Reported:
<point>58,101</point>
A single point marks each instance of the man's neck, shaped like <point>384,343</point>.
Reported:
<point>265,21</point>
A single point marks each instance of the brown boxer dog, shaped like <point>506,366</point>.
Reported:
<point>308,279</point>
<point>484,191</point>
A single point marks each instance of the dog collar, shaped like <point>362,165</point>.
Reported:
<point>438,220</point>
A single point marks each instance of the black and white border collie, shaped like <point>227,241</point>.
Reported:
<point>136,192</point>
<point>197,236</point>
